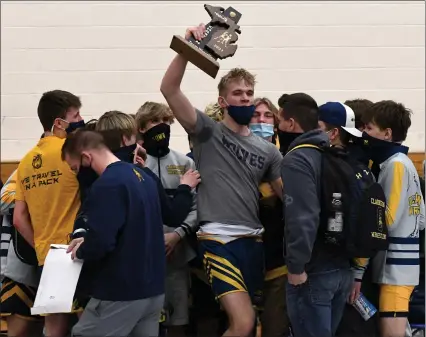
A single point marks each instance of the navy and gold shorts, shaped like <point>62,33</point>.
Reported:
<point>236,266</point>
<point>17,299</point>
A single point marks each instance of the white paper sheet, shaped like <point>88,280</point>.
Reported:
<point>58,282</point>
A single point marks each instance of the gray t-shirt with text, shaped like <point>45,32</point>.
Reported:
<point>231,168</point>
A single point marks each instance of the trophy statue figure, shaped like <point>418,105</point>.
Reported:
<point>218,41</point>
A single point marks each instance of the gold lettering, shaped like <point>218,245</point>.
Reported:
<point>377,202</point>
<point>414,210</point>
<point>378,235</point>
<point>176,169</point>
<point>159,137</point>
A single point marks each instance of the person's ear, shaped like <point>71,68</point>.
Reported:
<point>222,102</point>
<point>334,134</point>
<point>85,158</point>
<point>58,123</point>
<point>291,124</point>
<point>388,134</point>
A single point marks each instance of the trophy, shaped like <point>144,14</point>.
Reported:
<point>218,41</point>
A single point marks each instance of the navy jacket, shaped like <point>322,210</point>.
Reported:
<point>174,210</point>
<point>124,235</point>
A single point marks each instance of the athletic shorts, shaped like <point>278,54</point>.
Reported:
<point>176,303</point>
<point>394,300</point>
<point>236,266</point>
<point>17,299</point>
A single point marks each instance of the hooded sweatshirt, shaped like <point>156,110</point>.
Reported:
<point>301,176</point>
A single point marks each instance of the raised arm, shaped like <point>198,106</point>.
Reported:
<point>170,86</point>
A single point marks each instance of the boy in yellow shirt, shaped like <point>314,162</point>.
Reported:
<point>47,191</point>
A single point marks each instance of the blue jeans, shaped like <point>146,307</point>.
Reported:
<point>315,308</point>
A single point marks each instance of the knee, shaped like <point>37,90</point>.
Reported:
<point>56,327</point>
<point>244,325</point>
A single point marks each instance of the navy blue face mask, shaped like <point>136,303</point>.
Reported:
<point>72,126</point>
<point>241,114</point>
<point>380,150</point>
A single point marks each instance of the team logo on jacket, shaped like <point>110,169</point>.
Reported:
<point>138,175</point>
<point>37,161</point>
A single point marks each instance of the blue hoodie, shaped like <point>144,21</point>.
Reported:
<point>301,176</point>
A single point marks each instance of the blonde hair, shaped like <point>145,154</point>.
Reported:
<point>214,111</point>
<point>270,105</point>
<point>236,74</point>
<point>153,112</point>
<point>113,125</point>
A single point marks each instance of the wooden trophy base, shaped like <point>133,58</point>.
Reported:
<point>195,55</point>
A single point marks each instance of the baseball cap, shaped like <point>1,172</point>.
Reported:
<point>339,114</point>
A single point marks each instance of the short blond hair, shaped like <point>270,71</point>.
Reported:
<point>236,74</point>
<point>270,105</point>
<point>153,112</point>
<point>214,111</point>
<point>113,125</point>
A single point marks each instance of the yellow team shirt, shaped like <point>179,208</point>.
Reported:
<point>51,191</point>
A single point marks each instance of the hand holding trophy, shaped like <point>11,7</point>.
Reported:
<point>203,45</point>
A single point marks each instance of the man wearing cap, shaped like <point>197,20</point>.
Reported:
<point>338,121</point>
<point>335,117</point>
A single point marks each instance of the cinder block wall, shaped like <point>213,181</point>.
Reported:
<point>114,54</point>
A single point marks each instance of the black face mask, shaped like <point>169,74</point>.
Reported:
<point>380,150</point>
<point>286,138</point>
<point>86,176</point>
<point>359,151</point>
<point>156,140</point>
<point>126,153</point>
<point>72,126</point>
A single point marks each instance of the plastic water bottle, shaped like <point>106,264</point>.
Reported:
<point>335,222</point>
<point>364,307</point>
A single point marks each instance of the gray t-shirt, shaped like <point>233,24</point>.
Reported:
<point>231,168</point>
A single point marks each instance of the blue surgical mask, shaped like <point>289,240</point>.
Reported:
<point>241,114</point>
<point>262,129</point>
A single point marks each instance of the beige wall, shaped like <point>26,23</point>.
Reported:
<point>114,55</point>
